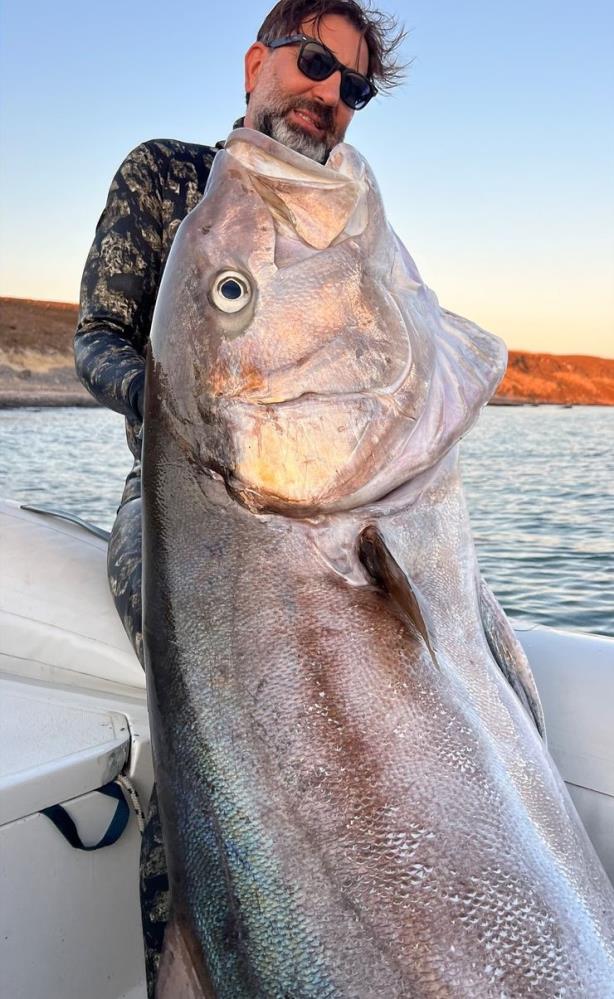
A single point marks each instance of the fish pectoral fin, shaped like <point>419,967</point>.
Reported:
<point>177,977</point>
<point>509,655</point>
<point>387,575</point>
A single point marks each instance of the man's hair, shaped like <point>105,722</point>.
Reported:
<point>381,32</point>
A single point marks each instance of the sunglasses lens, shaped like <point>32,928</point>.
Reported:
<point>318,63</point>
<point>355,90</point>
<point>315,61</point>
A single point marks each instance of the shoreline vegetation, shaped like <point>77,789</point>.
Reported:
<point>37,369</point>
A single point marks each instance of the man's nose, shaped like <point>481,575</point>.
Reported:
<point>328,90</point>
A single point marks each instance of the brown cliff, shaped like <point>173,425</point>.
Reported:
<point>561,379</point>
<point>36,359</point>
<point>37,368</point>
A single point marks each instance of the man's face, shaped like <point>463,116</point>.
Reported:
<point>306,115</point>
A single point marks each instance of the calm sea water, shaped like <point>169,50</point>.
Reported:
<point>539,483</point>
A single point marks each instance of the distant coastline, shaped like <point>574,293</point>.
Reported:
<point>37,368</point>
<point>36,359</point>
<point>556,379</point>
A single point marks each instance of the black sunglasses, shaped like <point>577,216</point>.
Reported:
<point>318,63</point>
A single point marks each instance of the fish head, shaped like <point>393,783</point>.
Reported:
<point>292,353</point>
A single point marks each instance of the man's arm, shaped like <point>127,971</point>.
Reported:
<point>120,283</point>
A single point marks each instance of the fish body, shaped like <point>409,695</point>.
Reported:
<point>355,793</point>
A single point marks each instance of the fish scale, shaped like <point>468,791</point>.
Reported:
<point>355,795</point>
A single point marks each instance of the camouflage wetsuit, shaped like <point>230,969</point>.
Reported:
<point>156,186</point>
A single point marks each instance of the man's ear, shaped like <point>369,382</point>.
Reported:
<point>255,57</point>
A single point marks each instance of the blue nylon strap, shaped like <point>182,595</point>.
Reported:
<point>63,822</point>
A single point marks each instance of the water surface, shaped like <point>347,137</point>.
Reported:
<point>539,483</point>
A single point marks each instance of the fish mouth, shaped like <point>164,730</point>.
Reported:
<point>266,401</point>
<point>297,384</point>
<point>310,398</point>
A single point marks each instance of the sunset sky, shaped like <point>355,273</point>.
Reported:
<point>495,159</point>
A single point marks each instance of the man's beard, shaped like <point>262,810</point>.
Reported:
<point>272,119</point>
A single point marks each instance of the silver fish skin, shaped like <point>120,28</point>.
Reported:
<point>356,795</point>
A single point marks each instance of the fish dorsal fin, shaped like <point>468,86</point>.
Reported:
<point>388,576</point>
<point>318,202</point>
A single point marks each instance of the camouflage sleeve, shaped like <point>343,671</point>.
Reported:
<point>120,283</point>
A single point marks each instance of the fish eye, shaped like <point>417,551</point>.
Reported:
<point>231,291</point>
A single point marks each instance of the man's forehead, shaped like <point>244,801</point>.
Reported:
<point>342,37</point>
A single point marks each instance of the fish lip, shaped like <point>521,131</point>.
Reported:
<point>387,398</point>
<point>306,397</point>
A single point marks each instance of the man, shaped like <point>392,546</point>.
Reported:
<point>314,63</point>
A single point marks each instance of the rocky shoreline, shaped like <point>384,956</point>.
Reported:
<point>37,367</point>
<point>41,400</point>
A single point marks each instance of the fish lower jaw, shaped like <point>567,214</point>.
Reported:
<point>259,501</point>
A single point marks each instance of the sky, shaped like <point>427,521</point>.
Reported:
<point>495,159</point>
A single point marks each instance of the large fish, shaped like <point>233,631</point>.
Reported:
<point>356,797</point>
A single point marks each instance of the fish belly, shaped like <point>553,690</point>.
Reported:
<point>338,811</point>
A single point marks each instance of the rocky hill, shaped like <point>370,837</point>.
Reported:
<point>562,379</point>
<point>37,369</point>
<point>36,359</point>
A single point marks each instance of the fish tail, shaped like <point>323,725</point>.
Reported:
<point>180,975</point>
